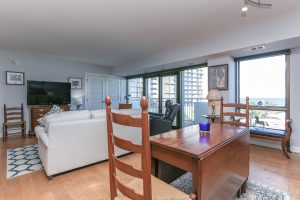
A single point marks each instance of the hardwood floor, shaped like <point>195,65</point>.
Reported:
<point>267,166</point>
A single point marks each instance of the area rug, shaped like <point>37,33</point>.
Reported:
<point>255,191</point>
<point>23,160</point>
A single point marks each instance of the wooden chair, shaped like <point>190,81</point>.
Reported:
<point>146,187</point>
<point>234,114</point>
<point>13,121</point>
<point>281,136</point>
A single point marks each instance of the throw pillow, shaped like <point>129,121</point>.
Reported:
<point>41,121</point>
<point>54,109</point>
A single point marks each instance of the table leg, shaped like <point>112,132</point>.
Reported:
<point>244,187</point>
<point>195,178</point>
<point>154,167</point>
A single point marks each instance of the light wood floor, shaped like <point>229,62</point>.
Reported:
<point>268,166</point>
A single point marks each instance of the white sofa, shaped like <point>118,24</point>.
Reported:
<point>74,139</point>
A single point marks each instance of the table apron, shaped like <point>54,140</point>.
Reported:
<point>181,161</point>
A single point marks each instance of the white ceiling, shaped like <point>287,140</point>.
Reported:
<point>118,32</point>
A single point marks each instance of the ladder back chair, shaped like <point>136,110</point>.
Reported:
<point>13,121</point>
<point>234,114</point>
<point>118,190</point>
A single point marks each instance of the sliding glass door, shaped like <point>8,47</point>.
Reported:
<point>194,92</point>
<point>169,90</point>
<point>186,86</point>
<point>153,89</point>
<point>159,89</point>
<point>135,90</point>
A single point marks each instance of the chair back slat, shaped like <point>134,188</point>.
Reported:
<point>143,149</point>
<point>126,145</point>
<point>233,123</point>
<point>127,191</point>
<point>235,106</point>
<point>13,118</point>
<point>13,108</point>
<point>234,114</point>
<point>127,169</point>
<point>13,113</point>
<point>126,120</point>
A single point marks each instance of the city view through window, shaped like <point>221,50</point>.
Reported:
<point>194,92</point>
<point>195,89</point>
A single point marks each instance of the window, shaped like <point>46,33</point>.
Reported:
<point>135,89</point>
<point>186,86</point>
<point>265,81</point>
<point>169,90</point>
<point>153,94</point>
<point>195,88</point>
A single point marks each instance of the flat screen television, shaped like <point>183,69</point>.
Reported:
<point>48,93</point>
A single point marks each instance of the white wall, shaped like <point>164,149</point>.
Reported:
<point>40,68</point>
<point>228,95</point>
<point>295,98</point>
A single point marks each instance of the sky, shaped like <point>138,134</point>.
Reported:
<point>263,78</point>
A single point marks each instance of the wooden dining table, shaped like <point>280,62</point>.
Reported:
<point>218,160</point>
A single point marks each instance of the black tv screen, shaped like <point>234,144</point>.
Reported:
<point>48,93</point>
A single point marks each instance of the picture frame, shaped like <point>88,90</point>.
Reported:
<point>218,77</point>
<point>76,83</point>
<point>15,78</point>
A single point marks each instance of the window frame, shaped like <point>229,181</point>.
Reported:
<point>285,108</point>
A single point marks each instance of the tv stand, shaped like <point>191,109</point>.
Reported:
<point>37,112</point>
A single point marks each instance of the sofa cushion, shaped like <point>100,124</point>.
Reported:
<point>129,111</point>
<point>98,114</point>
<point>55,109</point>
<point>67,116</point>
<point>268,132</point>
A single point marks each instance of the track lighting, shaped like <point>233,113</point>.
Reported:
<point>245,8</point>
<point>255,3</point>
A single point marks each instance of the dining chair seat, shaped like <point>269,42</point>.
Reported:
<point>160,190</point>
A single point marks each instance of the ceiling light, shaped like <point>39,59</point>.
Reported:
<point>245,8</point>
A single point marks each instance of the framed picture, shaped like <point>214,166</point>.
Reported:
<point>218,77</point>
<point>15,78</point>
<point>76,83</point>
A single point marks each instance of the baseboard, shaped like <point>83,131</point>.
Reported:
<point>295,149</point>
<point>272,144</point>
<point>264,143</point>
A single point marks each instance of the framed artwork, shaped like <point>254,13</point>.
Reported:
<point>76,83</point>
<point>218,77</point>
<point>15,78</point>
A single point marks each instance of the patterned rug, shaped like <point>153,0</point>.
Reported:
<point>255,191</point>
<point>23,160</point>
